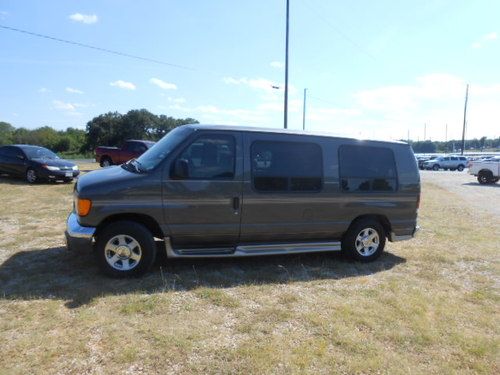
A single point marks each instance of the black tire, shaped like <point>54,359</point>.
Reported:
<point>460,168</point>
<point>495,180</point>
<point>435,167</point>
<point>106,162</point>
<point>31,176</point>
<point>351,241</point>
<point>485,177</point>
<point>112,236</point>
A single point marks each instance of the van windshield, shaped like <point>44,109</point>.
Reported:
<point>157,153</point>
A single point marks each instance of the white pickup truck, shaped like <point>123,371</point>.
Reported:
<point>487,171</point>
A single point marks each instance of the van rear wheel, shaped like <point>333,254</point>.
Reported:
<point>125,249</point>
<point>364,241</point>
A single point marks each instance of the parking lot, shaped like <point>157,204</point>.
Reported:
<point>484,198</point>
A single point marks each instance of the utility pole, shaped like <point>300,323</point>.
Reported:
<point>446,133</point>
<point>285,121</point>
<point>465,118</point>
<point>425,131</point>
<point>304,111</point>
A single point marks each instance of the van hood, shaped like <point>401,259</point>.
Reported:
<point>105,181</point>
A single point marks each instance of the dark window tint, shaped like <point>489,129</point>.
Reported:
<point>210,157</point>
<point>4,151</point>
<point>286,166</point>
<point>454,158</point>
<point>366,168</point>
<point>11,152</point>
<point>136,147</point>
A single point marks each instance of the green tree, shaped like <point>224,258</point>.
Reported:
<point>6,132</point>
<point>113,128</point>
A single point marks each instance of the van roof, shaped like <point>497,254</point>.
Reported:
<point>255,129</point>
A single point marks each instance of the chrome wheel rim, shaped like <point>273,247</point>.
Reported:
<point>31,175</point>
<point>123,252</point>
<point>106,163</point>
<point>367,242</point>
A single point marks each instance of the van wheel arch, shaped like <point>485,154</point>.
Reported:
<point>386,224</point>
<point>150,223</point>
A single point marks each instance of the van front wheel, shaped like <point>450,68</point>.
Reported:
<point>125,249</point>
<point>364,241</point>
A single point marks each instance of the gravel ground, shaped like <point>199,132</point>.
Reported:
<point>485,197</point>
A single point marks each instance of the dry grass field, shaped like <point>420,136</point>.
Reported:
<point>428,306</point>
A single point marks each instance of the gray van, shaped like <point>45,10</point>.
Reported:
<point>229,191</point>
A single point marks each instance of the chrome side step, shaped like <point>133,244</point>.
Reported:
<point>252,250</point>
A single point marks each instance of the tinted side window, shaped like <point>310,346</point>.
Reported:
<point>366,168</point>
<point>286,166</point>
<point>210,157</point>
<point>137,147</point>
<point>10,152</point>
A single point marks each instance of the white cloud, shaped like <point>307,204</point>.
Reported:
<point>490,36</point>
<point>65,106</point>
<point>84,18</point>
<point>177,100</point>
<point>254,83</point>
<point>43,90</point>
<point>123,85</point>
<point>433,99</point>
<point>162,84</point>
<point>486,38</point>
<point>59,104</point>
<point>265,85</point>
<point>277,64</point>
<point>73,91</point>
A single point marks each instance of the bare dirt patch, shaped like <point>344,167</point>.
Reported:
<point>484,198</point>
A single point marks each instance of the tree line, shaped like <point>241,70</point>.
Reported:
<point>108,129</point>
<point>113,128</point>
<point>481,144</point>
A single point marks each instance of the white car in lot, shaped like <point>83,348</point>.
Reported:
<point>487,171</point>
<point>451,162</point>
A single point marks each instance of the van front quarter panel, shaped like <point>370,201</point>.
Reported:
<point>116,192</point>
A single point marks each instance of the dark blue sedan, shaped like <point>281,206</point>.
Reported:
<point>35,163</point>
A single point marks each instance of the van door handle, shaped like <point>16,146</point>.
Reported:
<point>236,203</point>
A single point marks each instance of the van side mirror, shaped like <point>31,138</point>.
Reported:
<point>181,169</point>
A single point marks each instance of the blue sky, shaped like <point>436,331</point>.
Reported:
<point>373,69</point>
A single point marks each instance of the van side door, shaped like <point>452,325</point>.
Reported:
<point>202,191</point>
<point>283,193</point>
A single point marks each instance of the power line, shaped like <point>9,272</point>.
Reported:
<point>118,53</point>
<point>338,31</point>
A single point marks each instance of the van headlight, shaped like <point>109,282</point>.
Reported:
<point>75,167</point>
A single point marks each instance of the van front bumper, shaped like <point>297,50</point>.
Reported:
<point>77,236</point>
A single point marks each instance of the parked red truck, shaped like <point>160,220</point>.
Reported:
<point>107,156</point>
